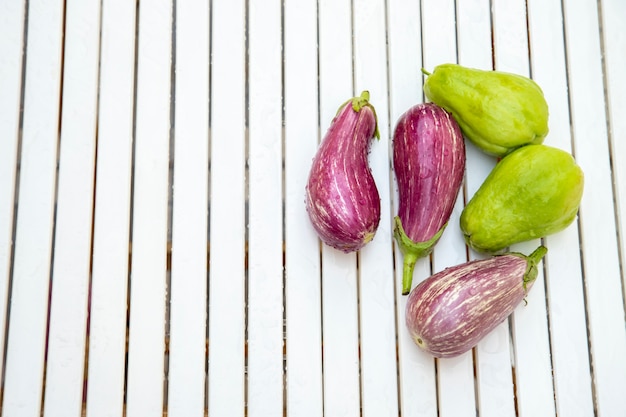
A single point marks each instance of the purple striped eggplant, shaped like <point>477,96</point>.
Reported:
<point>341,196</point>
<point>448,313</point>
<point>429,164</point>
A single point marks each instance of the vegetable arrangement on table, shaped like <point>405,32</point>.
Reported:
<point>533,191</point>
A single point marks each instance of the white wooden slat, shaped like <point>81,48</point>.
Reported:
<point>11,43</point>
<point>33,245</point>
<point>379,375</point>
<point>340,330</point>
<point>474,51</point>
<point>188,302</point>
<point>146,345</point>
<point>416,368</point>
<point>613,14</point>
<point>603,286</point>
<point>302,262</point>
<point>265,248</point>
<point>72,254</point>
<point>227,216</point>
<point>493,359</point>
<point>455,375</point>
<point>533,373</point>
<point>564,285</point>
<point>340,334</point>
<point>417,372</point>
<point>307,391</point>
<point>107,325</point>
<point>510,38</point>
<point>568,337</point>
<point>533,367</point>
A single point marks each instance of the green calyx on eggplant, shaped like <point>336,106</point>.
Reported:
<point>533,192</point>
<point>342,199</point>
<point>429,165</point>
<point>497,111</point>
<point>448,313</point>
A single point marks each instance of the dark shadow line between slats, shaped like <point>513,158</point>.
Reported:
<point>466,195</point>
<point>321,281</point>
<point>357,255</point>
<point>55,209</point>
<point>578,220</point>
<point>546,259</point>
<point>468,198</point>
<point>170,207</point>
<point>320,247</point>
<point>93,221</point>
<point>430,257</point>
<point>516,399</point>
<point>246,198</point>
<point>284,201</point>
<point>16,192</point>
<point>611,139</point>
<point>132,204</point>
<point>208,232</point>
<point>392,208</point>
<point>358,263</point>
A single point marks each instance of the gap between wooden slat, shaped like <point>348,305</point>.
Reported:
<point>93,222</point>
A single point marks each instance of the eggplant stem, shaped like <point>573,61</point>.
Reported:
<point>532,260</point>
<point>407,271</point>
<point>357,103</point>
<point>537,254</point>
<point>360,101</point>
<point>412,251</point>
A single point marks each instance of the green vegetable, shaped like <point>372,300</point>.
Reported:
<point>533,192</point>
<point>496,110</point>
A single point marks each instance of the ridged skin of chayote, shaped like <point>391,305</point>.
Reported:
<point>531,193</point>
<point>497,111</point>
<point>448,313</point>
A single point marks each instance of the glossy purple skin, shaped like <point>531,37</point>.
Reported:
<point>429,164</point>
<point>341,197</point>
<point>448,313</point>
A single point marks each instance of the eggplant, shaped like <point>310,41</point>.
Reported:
<point>448,313</point>
<point>342,199</point>
<point>429,164</point>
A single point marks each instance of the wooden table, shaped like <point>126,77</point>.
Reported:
<point>155,254</point>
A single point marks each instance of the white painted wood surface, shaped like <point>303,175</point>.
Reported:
<point>149,229</point>
<point>11,56</point>
<point>155,255</point>
<point>303,307</point>
<point>72,253</point>
<point>265,211</point>
<point>340,322</point>
<point>111,225</point>
<point>227,230</point>
<point>188,300</point>
<point>32,256</point>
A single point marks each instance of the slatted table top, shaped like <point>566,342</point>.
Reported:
<point>155,254</point>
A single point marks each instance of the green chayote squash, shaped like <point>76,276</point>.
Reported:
<point>531,193</point>
<point>497,111</point>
